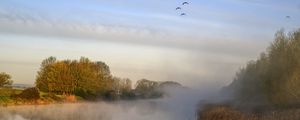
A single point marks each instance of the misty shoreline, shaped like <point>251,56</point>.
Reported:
<point>163,109</point>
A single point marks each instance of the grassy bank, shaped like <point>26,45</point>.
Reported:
<point>7,98</point>
<point>222,112</point>
<point>5,95</point>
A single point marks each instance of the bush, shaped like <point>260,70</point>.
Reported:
<point>86,94</point>
<point>29,94</point>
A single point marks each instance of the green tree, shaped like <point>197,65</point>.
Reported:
<point>5,79</point>
<point>45,75</point>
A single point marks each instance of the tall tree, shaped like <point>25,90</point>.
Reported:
<point>275,76</point>
<point>45,75</point>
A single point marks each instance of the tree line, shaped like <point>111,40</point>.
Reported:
<point>274,78</point>
<point>91,80</point>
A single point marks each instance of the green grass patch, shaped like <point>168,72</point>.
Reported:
<point>5,95</point>
<point>4,92</point>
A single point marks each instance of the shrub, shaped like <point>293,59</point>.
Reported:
<point>29,94</point>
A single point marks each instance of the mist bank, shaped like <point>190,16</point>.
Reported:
<point>273,79</point>
<point>180,104</point>
<point>128,110</point>
<point>266,88</point>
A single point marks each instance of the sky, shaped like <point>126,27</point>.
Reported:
<point>143,39</point>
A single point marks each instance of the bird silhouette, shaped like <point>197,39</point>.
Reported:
<point>288,17</point>
<point>178,8</point>
<point>182,14</point>
<point>185,3</point>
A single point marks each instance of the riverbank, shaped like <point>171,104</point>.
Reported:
<point>224,112</point>
<point>151,109</point>
<point>20,102</point>
<point>10,98</point>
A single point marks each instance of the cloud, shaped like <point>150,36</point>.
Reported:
<point>12,62</point>
<point>210,47</point>
<point>36,25</point>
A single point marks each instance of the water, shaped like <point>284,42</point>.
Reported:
<point>123,110</point>
<point>181,104</point>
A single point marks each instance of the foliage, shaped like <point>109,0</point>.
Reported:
<point>91,80</point>
<point>9,91</point>
<point>29,94</point>
<point>120,87</point>
<point>168,84</point>
<point>6,93</point>
<point>152,89</point>
<point>5,79</point>
<point>82,77</point>
<point>147,89</point>
<point>273,78</point>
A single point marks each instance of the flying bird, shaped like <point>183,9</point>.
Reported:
<point>178,8</point>
<point>185,3</point>
<point>288,17</point>
<point>182,14</point>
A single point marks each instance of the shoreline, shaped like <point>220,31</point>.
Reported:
<point>35,102</point>
<point>227,112</point>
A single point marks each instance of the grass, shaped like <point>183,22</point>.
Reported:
<point>220,112</point>
<point>9,91</point>
<point>45,98</point>
<point>5,94</point>
<point>211,112</point>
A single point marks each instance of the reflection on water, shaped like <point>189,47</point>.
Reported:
<point>124,110</point>
<point>180,105</point>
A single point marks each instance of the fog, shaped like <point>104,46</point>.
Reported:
<point>181,104</point>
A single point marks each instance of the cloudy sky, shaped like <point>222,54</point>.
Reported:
<point>142,39</point>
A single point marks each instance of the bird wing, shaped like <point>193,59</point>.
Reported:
<point>185,3</point>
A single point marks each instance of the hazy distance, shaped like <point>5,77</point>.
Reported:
<point>142,39</point>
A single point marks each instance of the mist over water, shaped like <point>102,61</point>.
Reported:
<point>180,105</point>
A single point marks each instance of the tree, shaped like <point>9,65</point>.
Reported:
<point>121,87</point>
<point>169,84</point>
<point>275,76</point>
<point>45,75</point>
<point>147,88</point>
<point>5,79</point>
<point>84,77</point>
